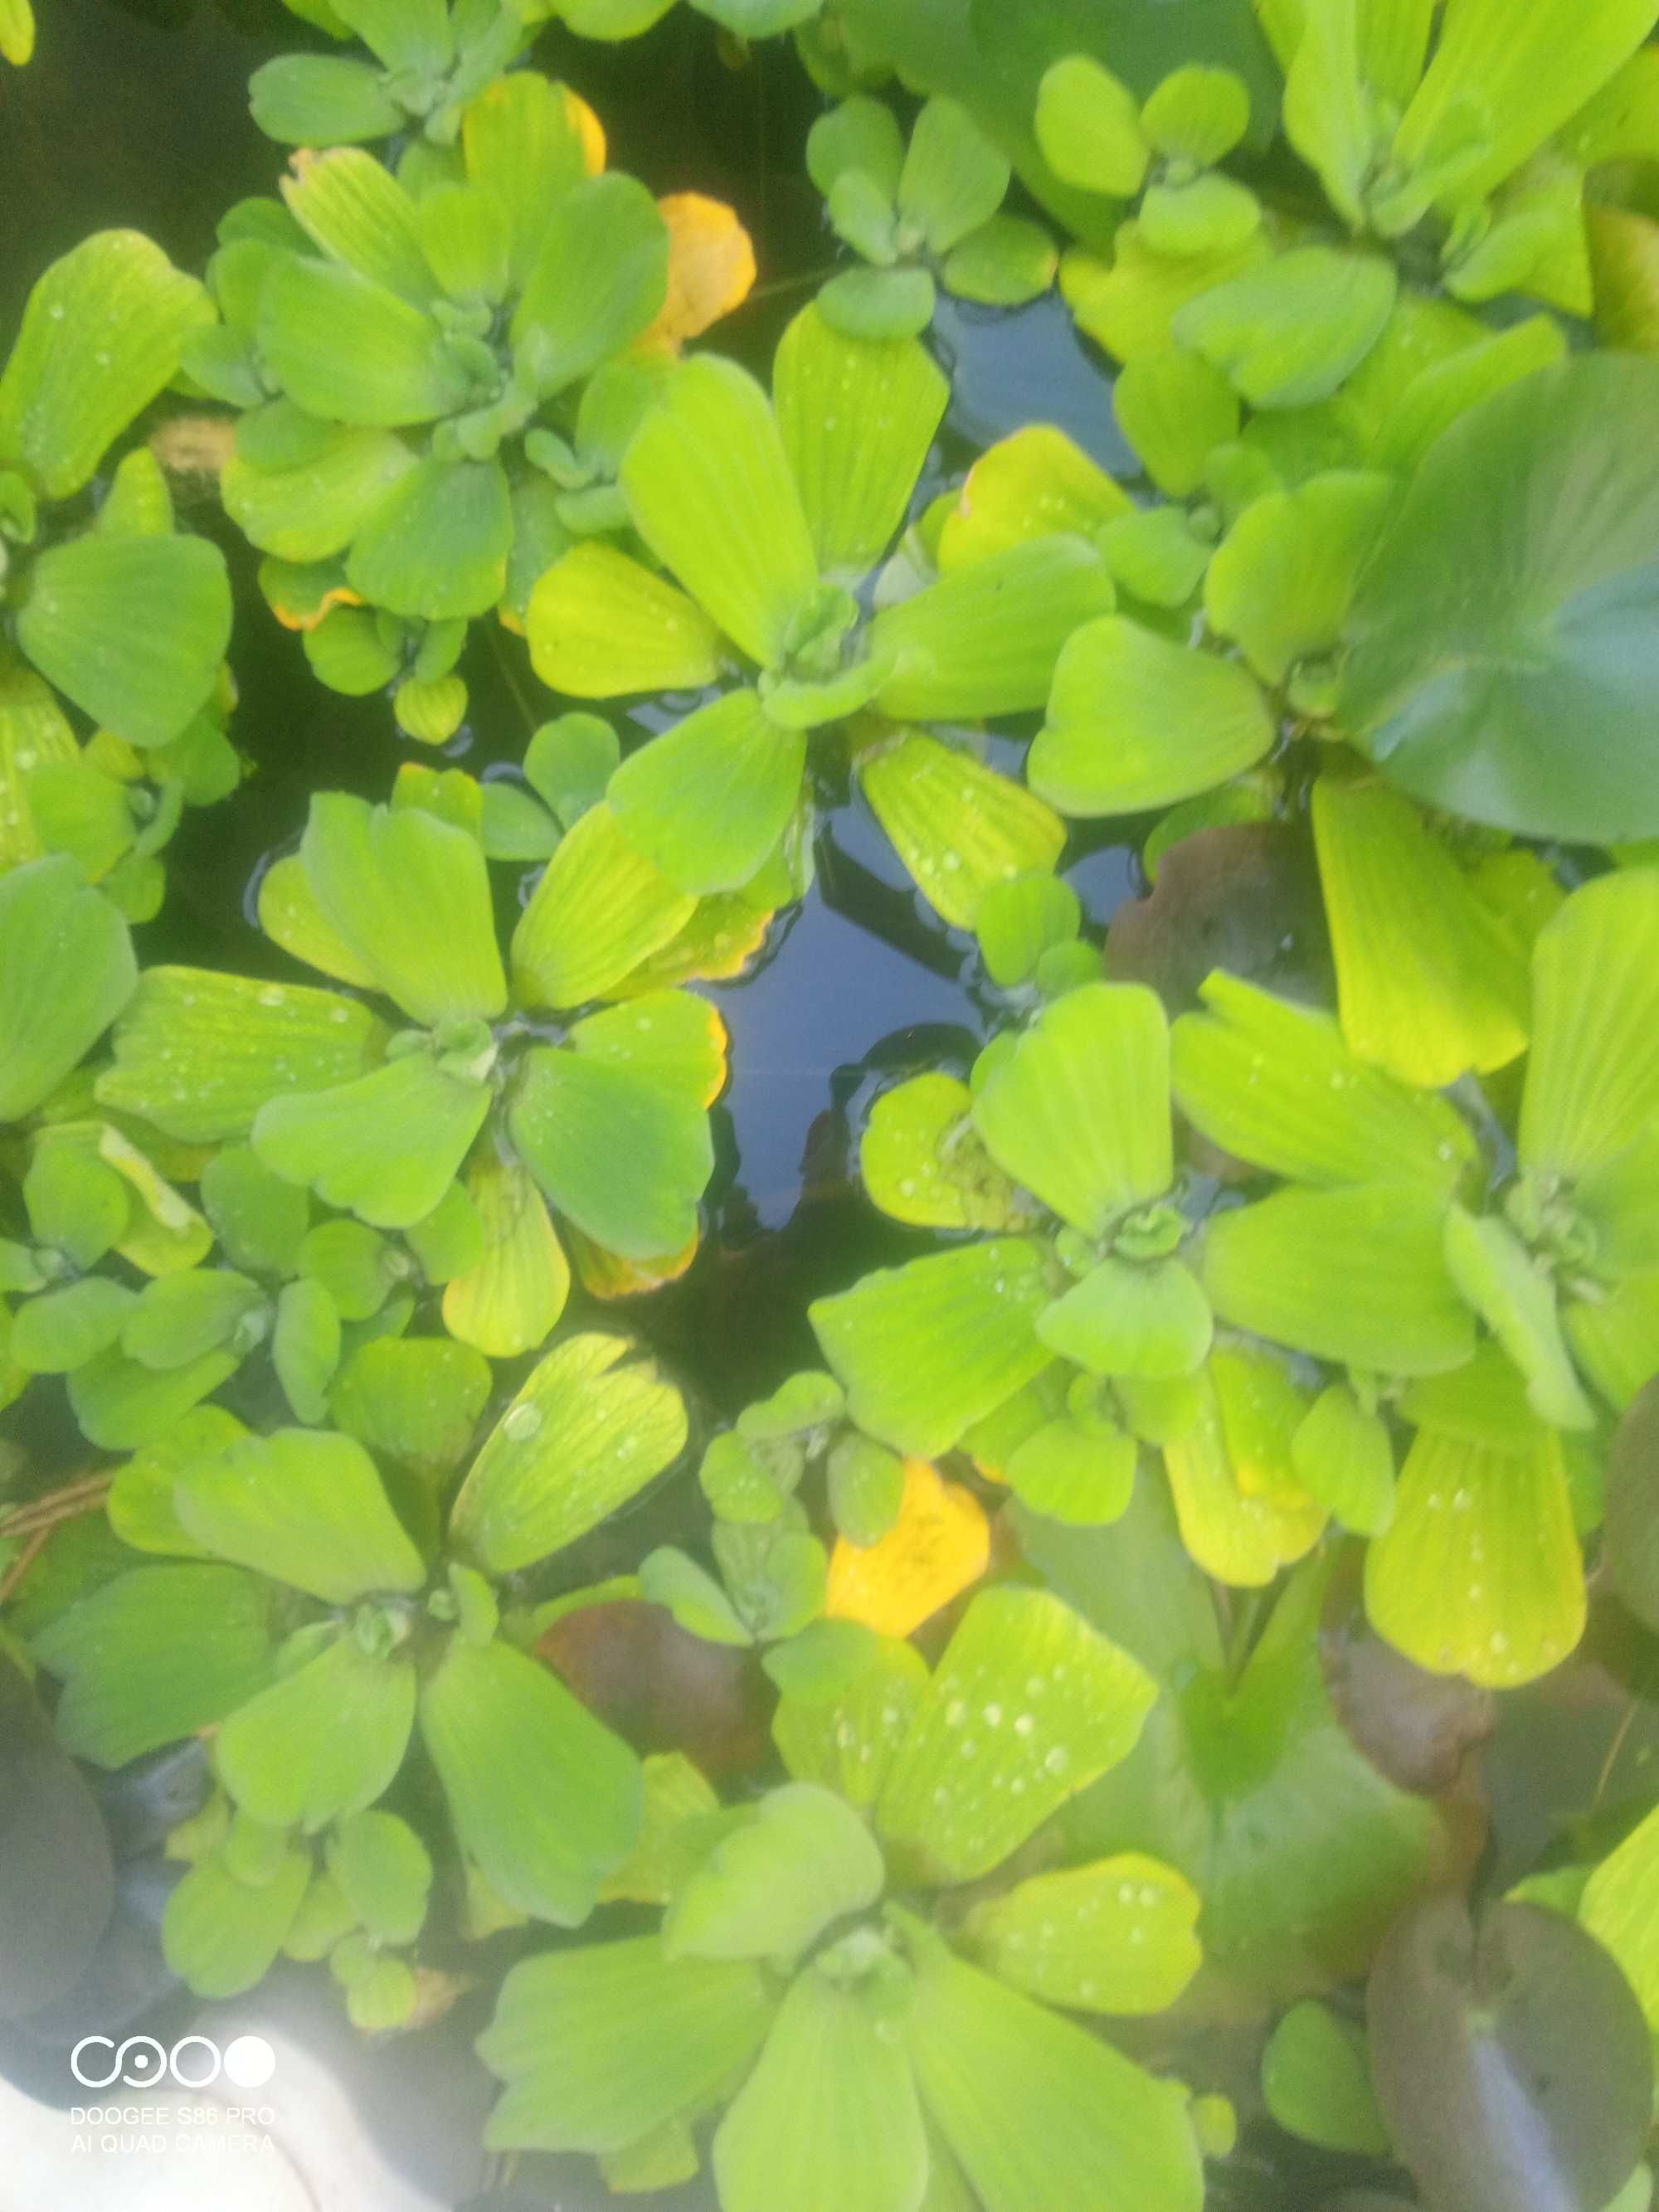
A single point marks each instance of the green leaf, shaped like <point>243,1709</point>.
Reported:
<point>960,827</point>
<point>220,1935</point>
<point>382,1868</point>
<point>1631,1548</point>
<point>321,1742</point>
<point>569,761</point>
<point>358,212</point>
<point>132,629</point>
<point>66,970</point>
<point>926,1349</point>
<point>1592,1084</point>
<point>600,624</point>
<point>986,638</point>
<point>153,1655</point>
<point>305,1346</point>
<point>1209,214</point>
<point>857,418</point>
<point>1124,1317</point>
<point>1020,919</point>
<point>306,1508</point>
<point>179,1318</point>
<point>1078,1471</point>
<point>1275,1084</point>
<point>1027,1706</point>
<point>599,278</point>
<point>862,136</point>
<point>527,143</point>
<point>509,1301</point>
<point>707,800</point>
<point>1290,333</point>
<point>584,1434</point>
<point>322,100</point>
<point>579,1122</point>
<point>879,306</point>
<point>1078,1111</point>
<point>1515,1296</point>
<point>122,1406</point>
<point>415,1399</point>
<point>708,486</point>
<point>258,1220</point>
<point>829,2120</point>
<point>1356,1275</point>
<point>76,1203</point>
<point>335,1140</point>
<point>312,507</point>
<point>437,546</point>
<point>1038,2112</point>
<point>1281,581</point>
<point>197,1054</point>
<point>1344,1458</point>
<point>1006,262</point>
<point>61,1330</point>
<point>600,909</point>
<point>1511,2062</point>
<point>101,337</point>
<point>799,1860</point>
<point>393,370</point>
<point>545,1799</point>
<point>1430,981</point>
<point>1480,1571</point>
<point>1175,409</point>
<point>1316,2080</point>
<point>1197,114</point>
<point>1031,484</point>
<point>1113,1937</point>
<point>1136,721</point>
<point>953,180</point>
<point>1510,600</point>
<point>409,896</point>
<point>1088,125</point>
<point>691,1596</point>
<point>600,2045</point>
<point>922,1161</point>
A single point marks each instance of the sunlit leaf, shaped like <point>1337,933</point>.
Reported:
<point>598,281</point>
<point>508,1303</point>
<point>1593,1078</point>
<point>355,209</point>
<point>938,1547</point>
<point>600,909</point>
<point>1242,1535</point>
<point>625,1155</point>
<point>600,624</point>
<point>1115,1936</point>
<point>304,1507</point>
<point>528,142</point>
<point>335,1140</point>
<point>1035,483</point>
<point>1148,1320</point>
<point>707,800</point>
<point>922,1160</point>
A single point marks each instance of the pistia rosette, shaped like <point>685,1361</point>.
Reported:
<point>440,368</point>
<point>288,1607</point>
<point>769,518</point>
<point>860,2054</point>
<point>507,1097</point>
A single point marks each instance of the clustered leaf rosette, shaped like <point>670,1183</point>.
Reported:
<point>770,518</point>
<point>857,2052</point>
<point>504,1095</point>
<point>919,216</point>
<point>292,1615</point>
<point>430,59</point>
<point>439,368</point>
<point>1504,1321</point>
<point>100,598</point>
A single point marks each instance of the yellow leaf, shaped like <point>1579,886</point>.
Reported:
<point>940,1543</point>
<point>711,268</point>
<point>607,1274</point>
<point>589,130</point>
<point>312,617</point>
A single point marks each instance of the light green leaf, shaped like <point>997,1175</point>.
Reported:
<point>1515,1298</point>
<point>545,1799</point>
<point>1289,333</point>
<point>415,1399</point>
<point>305,1508</point>
<point>1344,1458</point>
<point>197,1054</point>
<point>1006,262</point>
<point>1077,1471</point>
<point>848,1741</point>
<point>305,1346</point>
<point>1316,2080</point>
<point>1592,1081</point>
<point>101,337</point>
<point>382,1868</point>
<point>1020,919</point>
<point>1116,1936</point>
<point>584,1434</point>
<point>1479,1572</point>
<point>509,1301</point>
<point>155,1655</point>
<point>528,142</point>
<point>132,629</point>
<point>358,212</point>
<point>586,1128</point>
<point>857,418</point>
<point>601,2045</point>
<point>1356,1275</point>
<point>860,135</point>
<point>393,371</point>
<point>122,1406</point>
<point>66,970</point>
<point>335,1140</point>
<point>321,1742</point>
<point>926,1349</point>
<point>1034,484</point>
<point>1039,2113</point>
<point>879,306</point>
<point>76,1203</point>
<point>829,2119</point>
<point>220,1935</point>
<point>437,546</point>
<point>1275,1083</point>
<point>1088,125</point>
<point>985,638</point>
<point>600,909</point>
<point>259,1220</point>
<point>1136,721</point>
<point>1281,581</point>
<point>1078,1111</point>
<point>708,486</point>
<point>1147,1321</point>
<point>179,1317</point>
<point>799,1860</point>
<point>1430,981</point>
<point>599,278</point>
<point>62,1329</point>
<point>953,180</point>
<point>1175,409</point>
<point>707,800</point>
<point>960,827</point>
<point>322,100</point>
<point>922,1161</point>
<point>311,506</point>
<point>1027,1706</point>
<point>600,624</point>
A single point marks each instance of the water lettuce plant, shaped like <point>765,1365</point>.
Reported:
<point>771,518</point>
<point>861,2052</point>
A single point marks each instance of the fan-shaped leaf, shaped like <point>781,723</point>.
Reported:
<point>321,1742</point>
<point>66,970</point>
<point>305,1508</point>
